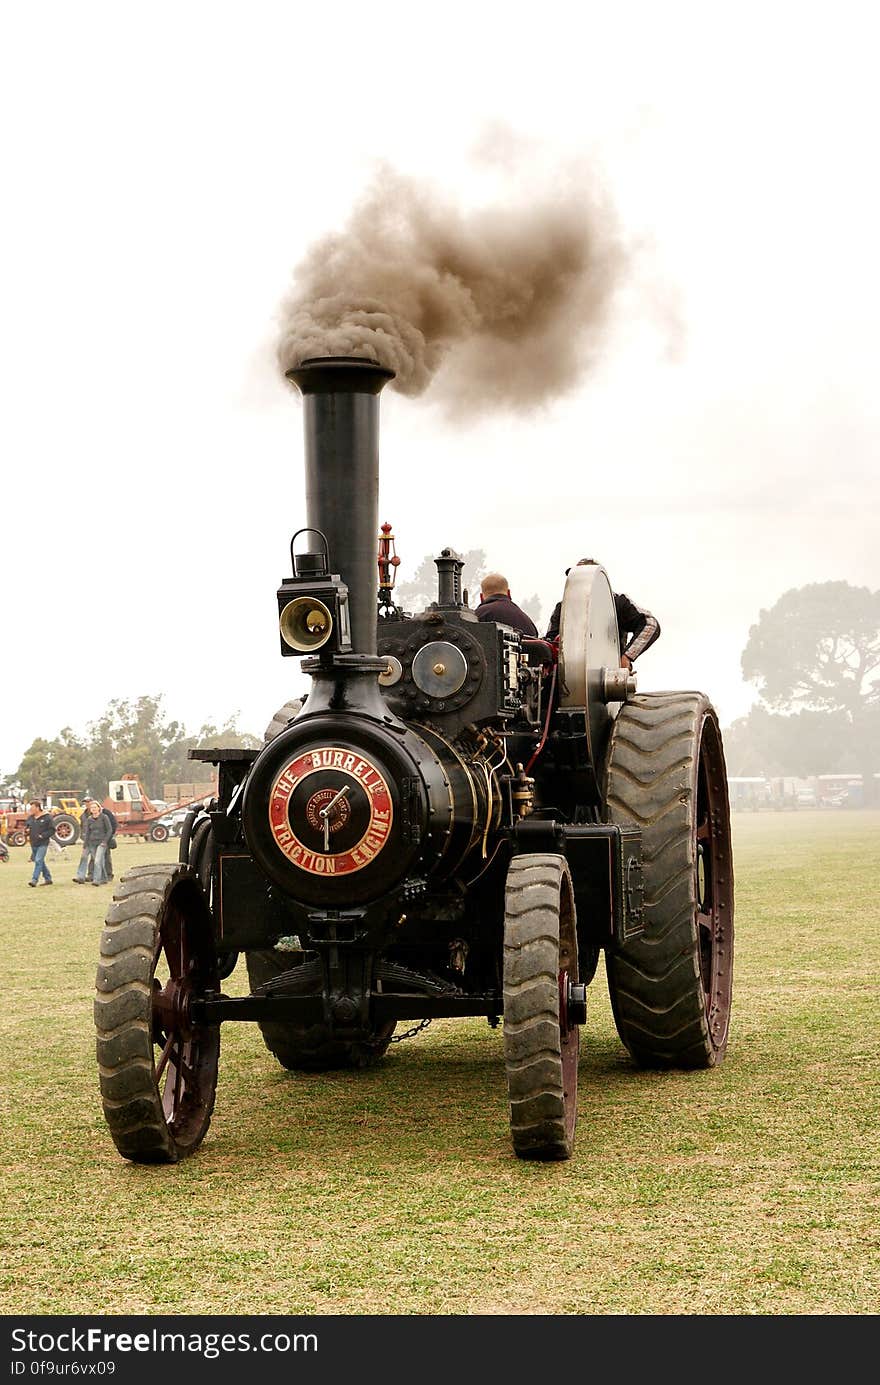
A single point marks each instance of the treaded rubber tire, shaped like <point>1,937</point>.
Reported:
<point>69,829</point>
<point>540,941</point>
<point>124,1017</point>
<point>670,1010</point>
<point>202,860</point>
<point>312,1049</point>
<point>158,832</point>
<point>282,719</point>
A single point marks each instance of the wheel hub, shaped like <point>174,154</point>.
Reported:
<point>172,1004</point>
<point>572,1004</point>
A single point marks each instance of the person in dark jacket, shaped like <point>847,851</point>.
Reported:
<point>111,845</point>
<point>496,604</point>
<point>638,629</point>
<point>40,828</point>
<point>96,833</point>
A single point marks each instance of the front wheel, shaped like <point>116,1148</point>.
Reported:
<point>158,832</point>
<point>541,1034</point>
<point>671,985</point>
<point>157,1065</point>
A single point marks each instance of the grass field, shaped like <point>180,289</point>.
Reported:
<point>751,1189</point>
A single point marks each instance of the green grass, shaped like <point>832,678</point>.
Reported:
<point>751,1189</point>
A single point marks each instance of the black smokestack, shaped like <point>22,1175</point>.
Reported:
<point>503,308</point>
<point>341,426</point>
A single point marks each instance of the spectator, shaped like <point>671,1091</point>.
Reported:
<point>111,845</point>
<point>96,833</point>
<point>496,604</point>
<point>40,830</point>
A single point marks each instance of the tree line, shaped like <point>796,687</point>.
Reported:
<point>130,737</point>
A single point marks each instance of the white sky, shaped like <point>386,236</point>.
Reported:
<point>166,165</point>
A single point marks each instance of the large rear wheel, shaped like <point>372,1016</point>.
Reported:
<point>541,1033</point>
<point>671,986</point>
<point>66,828</point>
<point>282,719</point>
<point>157,1066</point>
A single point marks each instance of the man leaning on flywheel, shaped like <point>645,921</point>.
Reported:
<point>632,620</point>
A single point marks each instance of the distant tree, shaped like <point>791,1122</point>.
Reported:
<point>61,763</point>
<point>134,738</point>
<point>805,743</point>
<point>818,648</point>
<point>228,735</point>
<point>130,737</point>
<point>421,590</point>
<point>178,767</point>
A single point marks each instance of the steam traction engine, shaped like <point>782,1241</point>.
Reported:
<point>455,822</point>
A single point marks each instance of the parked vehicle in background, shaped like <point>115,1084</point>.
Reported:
<point>136,813</point>
<point>748,793</point>
<point>63,804</point>
<point>174,821</point>
<point>9,809</point>
<point>67,811</point>
<point>788,793</point>
<point>189,792</point>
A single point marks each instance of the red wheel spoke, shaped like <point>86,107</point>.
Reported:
<point>163,1058</point>
<point>178,1084</point>
<point>188,1072</point>
<point>171,944</point>
<point>172,1078</point>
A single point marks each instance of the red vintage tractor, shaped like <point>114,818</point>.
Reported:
<point>136,814</point>
<point>63,804</point>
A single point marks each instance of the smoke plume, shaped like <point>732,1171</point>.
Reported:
<point>502,307</point>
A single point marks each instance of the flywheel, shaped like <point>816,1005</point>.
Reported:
<point>588,646</point>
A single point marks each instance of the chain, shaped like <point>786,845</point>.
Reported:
<point>410,1033</point>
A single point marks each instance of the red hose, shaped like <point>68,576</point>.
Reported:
<point>540,746</point>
